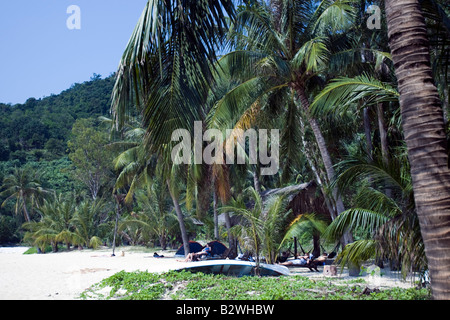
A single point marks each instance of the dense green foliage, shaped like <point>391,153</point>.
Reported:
<point>40,128</point>
<point>310,69</point>
<point>198,286</point>
<point>34,137</point>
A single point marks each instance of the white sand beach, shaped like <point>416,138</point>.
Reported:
<point>64,275</point>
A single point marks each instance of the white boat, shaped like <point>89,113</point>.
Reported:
<point>237,268</point>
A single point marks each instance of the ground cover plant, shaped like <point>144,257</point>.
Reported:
<point>184,285</point>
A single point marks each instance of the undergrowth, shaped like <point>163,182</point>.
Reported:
<point>176,285</point>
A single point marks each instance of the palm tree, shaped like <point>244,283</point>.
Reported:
<point>308,225</point>
<point>165,72</point>
<point>387,225</point>
<point>23,185</point>
<point>154,217</point>
<point>55,225</point>
<point>262,229</point>
<point>280,51</point>
<point>424,131</point>
<point>87,221</point>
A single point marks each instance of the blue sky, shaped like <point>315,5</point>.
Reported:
<point>40,55</point>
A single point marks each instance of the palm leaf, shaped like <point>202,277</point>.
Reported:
<point>366,220</point>
<point>333,16</point>
<point>358,251</point>
<point>313,54</point>
<point>339,94</point>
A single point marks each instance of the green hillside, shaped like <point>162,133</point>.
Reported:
<point>40,127</point>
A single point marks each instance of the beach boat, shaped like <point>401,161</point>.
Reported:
<point>236,268</point>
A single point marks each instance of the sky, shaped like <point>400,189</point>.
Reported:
<point>40,55</point>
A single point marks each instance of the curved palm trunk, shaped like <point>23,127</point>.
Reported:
<point>367,131</point>
<point>383,141</point>
<point>216,216</point>
<point>180,220</point>
<point>423,126</point>
<point>326,158</point>
<point>116,224</point>
<point>383,134</point>
<point>25,210</point>
<point>232,242</point>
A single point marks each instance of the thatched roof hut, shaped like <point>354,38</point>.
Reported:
<point>303,198</point>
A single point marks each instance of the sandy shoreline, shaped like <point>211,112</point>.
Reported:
<point>64,275</point>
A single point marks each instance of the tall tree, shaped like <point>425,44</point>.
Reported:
<point>165,71</point>
<point>88,153</point>
<point>424,131</point>
<point>281,48</point>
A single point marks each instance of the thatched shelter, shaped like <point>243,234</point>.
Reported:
<point>303,198</point>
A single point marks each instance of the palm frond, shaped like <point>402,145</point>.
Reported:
<point>167,63</point>
<point>313,54</point>
<point>332,16</point>
<point>358,251</point>
<point>357,218</point>
<point>254,30</point>
<point>393,175</point>
<point>304,223</point>
<point>340,93</point>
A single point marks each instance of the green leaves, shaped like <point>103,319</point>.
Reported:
<point>23,185</point>
<point>334,16</point>
<point>263,225</point>
<point>313,54</point>
<point>63,219</point>
<point>185,285</point>
<point>166,67</point>
<point>92,160</point>
<point>343,92</point>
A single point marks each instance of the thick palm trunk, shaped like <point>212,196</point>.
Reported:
<point>326,158</point>
<point>180,217</point>
<point>423,126</point>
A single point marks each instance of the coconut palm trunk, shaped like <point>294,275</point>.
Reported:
<point>216,216</point>
<point>326,158</point>
<point>25,210</point>
<point>180,219</point>
<point>116,223</point>
<point>423,126</point>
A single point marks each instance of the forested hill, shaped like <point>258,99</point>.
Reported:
<point>42,126</point>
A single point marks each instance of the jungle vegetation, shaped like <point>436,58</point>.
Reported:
<point>361,111</point>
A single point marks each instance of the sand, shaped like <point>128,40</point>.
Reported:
<point>64,275</point>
